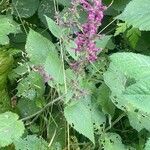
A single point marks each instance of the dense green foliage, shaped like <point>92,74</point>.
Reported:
<point>51,98</point>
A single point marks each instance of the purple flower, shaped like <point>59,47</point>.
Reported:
<point>85,40</point>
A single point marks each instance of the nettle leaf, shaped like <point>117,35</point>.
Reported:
<point>104,100</point>
<point>136,101</point>
<point>98,118</point>
<point>119,5</point>
<point>56,30</point>
<point>54,67</point>
<point>7,26</point>
<point>11,128</point>
<point>38,51</point>
<point>27,107</point>
<point>31,142</point>
<point>129,81</point>
<point>70,48</point>
<point>102,43</point>
<point>31,87</point>
<point>133,36</point>
<point>139,17</point>
<point>24,8</point>
<point>65,2</point>
<point>112,141</point>
<point>130,64</point>
<point>46,8</point>
<point>147,145</point>
<point>78,115</point>
<point>122,27</point>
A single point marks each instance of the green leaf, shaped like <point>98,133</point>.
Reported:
<point>56,30</point>
<point>98,118</point>
<point>139,17</point>
<point>78,115</point>
<point>7,26</point>
<point>38,51</point>
<point>31,87</point>
<point>54,67</point>
<point>104,100</point>
<point>130,64</point>
<point>102,43</point>
<point>129,81</point>
<point>119,5</point>
<point>24,8</point>
<point>11,128</point>
<point>46,8</point>
<point>27,107</point>
<point>112,141</point>
<point>70,47</point>
<point>65,2</point>
<point>122,27</point>
<point>133,36</point>
<point>31,142</point>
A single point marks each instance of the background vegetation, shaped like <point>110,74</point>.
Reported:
<point>52,98</point>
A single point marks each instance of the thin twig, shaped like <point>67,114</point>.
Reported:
<point>110,4</point>
<point>107,26</point>
<point>43,109</point>
<point>20,19</point>
<point>117,120</point>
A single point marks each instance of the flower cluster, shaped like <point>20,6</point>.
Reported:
<point>85,40</point>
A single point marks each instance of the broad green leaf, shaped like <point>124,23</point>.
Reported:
<point>117,5</point>
<point>46,8</point>
<point>79,116</point>
<point>31,87</point>
<point>38,47</point>
<point>98,118</point>
<point>131,65</point>
<point>133,36</point>
<point>135,100</point>
<point>31,142</point>
<point>27,107</point>
<point>102,43</point>
<point>56,30</point>
<point>65,2</point>
<point>139,17</point>
<point>24,8</point>
<point>22,69</point>
<point>122,27</point>
<point>7,26</point>
<point>129,81</point>
<point>115,80</point>
<point>54,67</point>
<point>11,128</point>
<point>70,47</point>
<point>104,100</point>
<point>112,141</point>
